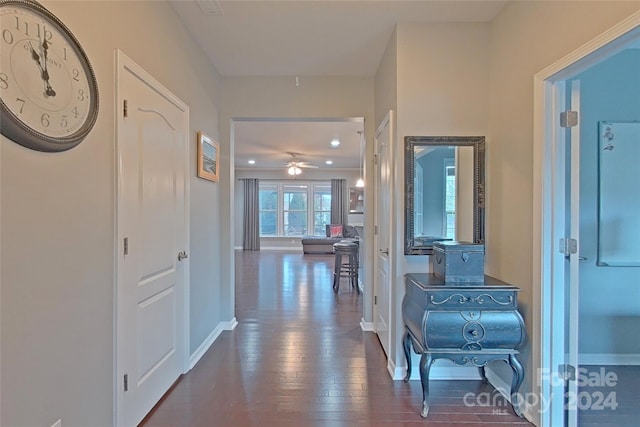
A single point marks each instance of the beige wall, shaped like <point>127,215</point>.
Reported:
<point>442,89</point>
<point>386,83</point>
<point>525,38</point>
<point>58,220</point>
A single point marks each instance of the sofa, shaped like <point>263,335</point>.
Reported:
<point>324,244</point>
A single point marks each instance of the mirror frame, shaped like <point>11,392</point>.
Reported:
<point>478,144</point>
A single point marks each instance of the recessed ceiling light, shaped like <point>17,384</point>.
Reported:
<point>329,162</point>
<point>252,162</point>
<point>335,143</point>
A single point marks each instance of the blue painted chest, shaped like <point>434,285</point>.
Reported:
<point>467,323</point>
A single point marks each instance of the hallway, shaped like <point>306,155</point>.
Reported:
<point>298,357</point>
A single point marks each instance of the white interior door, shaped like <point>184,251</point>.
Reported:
<point>383,222</point>
<point>152,232</point>
<point>566,184</point>
<point>571,284</point>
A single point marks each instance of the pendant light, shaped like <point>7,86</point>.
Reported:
<point>360,181</point>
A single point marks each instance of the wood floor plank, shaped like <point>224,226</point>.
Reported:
<point>298,357</point>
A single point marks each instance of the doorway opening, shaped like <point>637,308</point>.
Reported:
<point>581,329</point>
<point>323,148</point>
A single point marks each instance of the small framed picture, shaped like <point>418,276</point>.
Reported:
<point>208,157</point>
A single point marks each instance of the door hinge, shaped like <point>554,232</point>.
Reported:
<point>375,230</point>
<point>375,159</point>
<point>375,300</point>
<point>125,108</point>
<point>568,119</point>
<point>126,246</point>
<point>126,382</point>
<point>568,246</point>
<point>567,372</point>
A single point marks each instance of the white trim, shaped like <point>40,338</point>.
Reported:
<point>208,342</point>
<point>367,326</point>
<point>283,248</point>
<point>441,369</point>
<point>609,359</point>
<point>388,124</point>
<point>498,383</point>
<point>275,248</point>
<point>397,373</point>
<point>231,324</point>
<point>504,389</point>
<point>616,37</point>
<point>543,346</point>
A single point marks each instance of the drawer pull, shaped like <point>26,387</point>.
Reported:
<point>473,332</point>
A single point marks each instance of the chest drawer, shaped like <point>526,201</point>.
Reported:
<point>479,299</point>
<point>472,330</point>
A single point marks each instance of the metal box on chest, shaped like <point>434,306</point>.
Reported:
<point>458,262</point>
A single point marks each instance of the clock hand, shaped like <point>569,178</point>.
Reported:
<point>45,74</point>
<point>35,57</point>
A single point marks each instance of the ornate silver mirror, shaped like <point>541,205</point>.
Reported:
<point>444,191</point>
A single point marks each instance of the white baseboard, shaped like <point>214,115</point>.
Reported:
<point>274,248</point>
<point>394,371</point>
<point>441,369</point>
<point>208,342</point>
<point>367,326</point>
<point>498,383</point>
<point>609,359</point>
<point>230,325</point>
<point>281,248</point>
<point>504,389</point>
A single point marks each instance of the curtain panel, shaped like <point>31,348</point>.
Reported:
<point>251,218</point>
<point>339,201</point>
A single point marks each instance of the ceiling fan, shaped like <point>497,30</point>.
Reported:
<point>294,166</point>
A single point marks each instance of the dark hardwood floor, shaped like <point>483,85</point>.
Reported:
<point>298,357</point>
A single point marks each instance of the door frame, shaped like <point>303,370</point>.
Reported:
<point>388,122</point>
<point>123,63</point>
<point>548,303</point>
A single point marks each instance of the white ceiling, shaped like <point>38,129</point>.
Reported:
<point>268,142</point>
<point>308,38</point>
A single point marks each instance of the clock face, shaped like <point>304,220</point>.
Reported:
<point>47,87</point>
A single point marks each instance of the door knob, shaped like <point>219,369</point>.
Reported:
<point>182,255</point>
<point>384,251</point>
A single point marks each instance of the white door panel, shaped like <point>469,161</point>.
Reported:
<point>152,148</point>
<point>384,138</point>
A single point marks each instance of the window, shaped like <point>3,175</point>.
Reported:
<point>295,210</point>
<point>268,207</point>
<point>450,198</point>
<point>321,208</point>
<point>286,211</point>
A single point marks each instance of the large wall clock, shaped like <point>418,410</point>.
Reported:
<point>48,91</point>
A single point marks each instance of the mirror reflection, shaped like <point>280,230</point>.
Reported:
<point>444,191</point>
<point>356,200</point>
